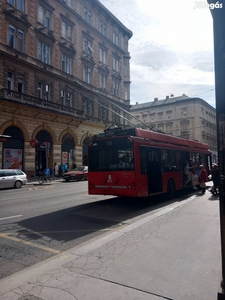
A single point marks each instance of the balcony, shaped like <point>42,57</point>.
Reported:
<point>14,96</point>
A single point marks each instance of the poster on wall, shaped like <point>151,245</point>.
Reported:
<point>64,158</point>
<point>13,158</point>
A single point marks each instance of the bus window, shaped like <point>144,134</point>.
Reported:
<point>143,160</point>
<point>170,160</point>
<point>114,154</point>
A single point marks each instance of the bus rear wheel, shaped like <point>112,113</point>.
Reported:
<point>171,188</point>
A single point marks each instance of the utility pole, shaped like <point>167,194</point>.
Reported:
<point>217,9</point>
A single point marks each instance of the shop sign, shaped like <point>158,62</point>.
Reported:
<point>4,138</point>
<point>33,143</point>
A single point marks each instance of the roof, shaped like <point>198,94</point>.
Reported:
<point>157,102</point>
<point>114,18</point>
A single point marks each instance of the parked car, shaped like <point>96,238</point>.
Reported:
<point>80,173</point>
<point>13,178</point>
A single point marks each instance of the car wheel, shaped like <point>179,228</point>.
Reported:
<point>17,184</point>
<point>67,180</point>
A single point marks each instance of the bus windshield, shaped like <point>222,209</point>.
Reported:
<point>111,154</point>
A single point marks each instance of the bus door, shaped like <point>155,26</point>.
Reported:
<point>154,171</point>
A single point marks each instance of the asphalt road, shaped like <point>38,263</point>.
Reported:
<point>37,222</point>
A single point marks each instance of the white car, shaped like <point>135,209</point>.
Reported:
<point>13,178</point>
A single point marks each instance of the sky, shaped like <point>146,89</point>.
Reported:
<point>171,48</point>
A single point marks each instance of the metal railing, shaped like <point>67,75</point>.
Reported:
<point>22,98</point>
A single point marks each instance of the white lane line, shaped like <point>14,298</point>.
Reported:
<point>17,216</point>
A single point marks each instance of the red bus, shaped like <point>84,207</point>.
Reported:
<point>139,163</point>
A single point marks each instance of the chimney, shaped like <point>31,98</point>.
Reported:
<point>167,97</point>
<point>136,103</point>
<point>155,99</point>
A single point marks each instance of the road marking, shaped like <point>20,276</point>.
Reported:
<point>17,216</point>
<point>3,235</point>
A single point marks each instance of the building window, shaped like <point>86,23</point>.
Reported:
<point>103,113</point>
<point>47,92</point>
<point>144,117</point>
<point>66,98</point>
<point>102,81</point>
<point>69,99</point>
<point>44,16</point>
<point>184,126</point>
<point>161,127</point>
<point>126,93</point>
<point>88,106</point>
<point>63,98</point>
<point>16,38</point>
<point>115,88</point>
<point>115,64</point>
<point>116,116</point>
<point>66,32</point>
<point>87,15</point>
<point>160,115</point>
<point>102,28</point>
<point>66,64</point>
<point>116,38</point>
<point>19,4</point>
<point>152,117</point>
<point>87,46</point>
<point>126,68</point>
<point>169,114</point>
<point>10,81</point>
<point>184,111</point>
<point>20,85</point>
<point>44,52</point>
<point>87,74</point>
<point>102,56</point>
<point>40,89</point>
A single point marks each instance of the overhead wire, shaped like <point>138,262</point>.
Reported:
<point>113,104</point>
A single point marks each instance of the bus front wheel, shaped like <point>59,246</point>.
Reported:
<point>171,188</point>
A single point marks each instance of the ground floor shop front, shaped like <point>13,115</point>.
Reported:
<point>37,143</point>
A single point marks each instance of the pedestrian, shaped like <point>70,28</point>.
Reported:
<point>56,169</point>
<point>215,178</point>
<point>202,178</point>
<point>66,167</point>
<point>60,170</point>
<point>189,172</point>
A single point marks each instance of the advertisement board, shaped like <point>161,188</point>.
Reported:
<point>64,157</point>
<point>13,158</point>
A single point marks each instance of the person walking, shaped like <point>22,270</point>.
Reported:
<point>202,178</point>
<point>189,172</point>
<point>56,169</point>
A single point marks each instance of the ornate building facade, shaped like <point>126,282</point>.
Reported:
<point>191,118</point>
<point>64,76</point>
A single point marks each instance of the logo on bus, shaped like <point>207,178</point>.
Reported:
<point>109,180</point>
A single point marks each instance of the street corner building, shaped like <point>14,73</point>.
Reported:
<point>64,76</point>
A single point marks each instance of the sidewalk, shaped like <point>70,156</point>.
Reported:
<point>34,181</point>
<point>170,253</point>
